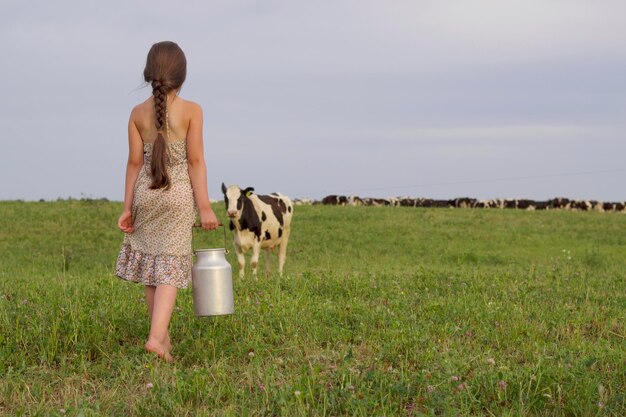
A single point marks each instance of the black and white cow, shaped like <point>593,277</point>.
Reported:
<point>258,222</point>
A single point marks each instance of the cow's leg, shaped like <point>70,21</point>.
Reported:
<point>256,251</point>
<point>241,260</point>
<point>268,267</point>
<point>282,254</point>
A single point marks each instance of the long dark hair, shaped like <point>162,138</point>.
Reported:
<point>166,70</point>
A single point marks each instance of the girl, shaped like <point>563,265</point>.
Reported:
<point>165,176</point>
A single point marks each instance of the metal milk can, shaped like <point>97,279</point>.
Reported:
<point>212,283</point>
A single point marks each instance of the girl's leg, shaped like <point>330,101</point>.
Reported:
<point>163,305</point>
<point>150,290</point>
<point>150,298</point>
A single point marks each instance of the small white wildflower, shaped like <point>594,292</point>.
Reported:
<point>149,385</point>
<point>296,393</point>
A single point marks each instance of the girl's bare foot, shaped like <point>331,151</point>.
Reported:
<point>168,343</point>
<point>160,349</point>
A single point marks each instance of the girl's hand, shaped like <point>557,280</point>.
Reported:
<point>208,221</point>
<point>125,222</point>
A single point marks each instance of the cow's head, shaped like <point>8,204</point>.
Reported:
<point>233,199</point>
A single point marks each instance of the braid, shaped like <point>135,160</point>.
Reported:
<point>165,70</point>
<point>158,165</point>
<point>159,91</point>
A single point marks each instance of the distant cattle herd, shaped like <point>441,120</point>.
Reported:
<point>466,202</point>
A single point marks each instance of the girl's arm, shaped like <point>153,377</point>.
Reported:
<point>197,169</point>
<point>134,164</point>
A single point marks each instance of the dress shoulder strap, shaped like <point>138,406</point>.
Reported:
<point>170,137</point>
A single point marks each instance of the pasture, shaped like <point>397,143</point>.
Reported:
<point>381,312</point>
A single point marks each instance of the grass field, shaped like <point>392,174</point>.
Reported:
<point>382,312</point>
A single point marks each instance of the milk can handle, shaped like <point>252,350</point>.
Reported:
<point>223,228</point>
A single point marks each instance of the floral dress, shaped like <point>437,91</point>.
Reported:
<point>159,249</point>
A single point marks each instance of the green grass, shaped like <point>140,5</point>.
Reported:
<point>382,311</point>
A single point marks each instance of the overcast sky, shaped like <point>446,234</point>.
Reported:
<point>380,98</point>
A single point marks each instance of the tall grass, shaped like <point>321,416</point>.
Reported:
<point>382,311</point>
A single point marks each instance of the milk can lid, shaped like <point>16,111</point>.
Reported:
<point>210,250</point>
